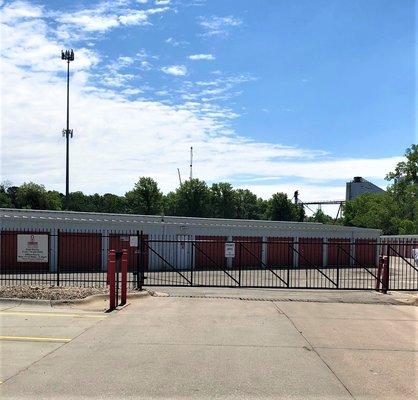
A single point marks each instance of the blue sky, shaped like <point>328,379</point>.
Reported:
<point>273,95</point>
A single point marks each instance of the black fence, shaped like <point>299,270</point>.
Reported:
<point>80,258</point>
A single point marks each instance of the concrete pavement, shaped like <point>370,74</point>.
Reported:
<point>226,348</point>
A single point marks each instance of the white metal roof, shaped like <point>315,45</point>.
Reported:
<point>7,214</point>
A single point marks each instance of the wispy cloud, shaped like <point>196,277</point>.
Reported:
<point>176,70</point>
<point>118,137</point>
<point>208,57</point>
<point>106,15</point>
<point>216,25</point>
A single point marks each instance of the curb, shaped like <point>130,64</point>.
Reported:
<point>52,303</point>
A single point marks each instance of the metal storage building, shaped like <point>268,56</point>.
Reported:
<point>84,238</point>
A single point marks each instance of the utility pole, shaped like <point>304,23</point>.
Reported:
<point>67,55</point>
<point>191,163</point>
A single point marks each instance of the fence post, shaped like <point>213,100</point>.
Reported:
<point>192,263</point>
<point>124,282</point>
<point>239,264</point>
<point>111,260</point>
<point>58,257</point>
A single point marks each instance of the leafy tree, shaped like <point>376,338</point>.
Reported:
<point>192,199</point>
<point>280,208</point>
<point>247,205</point>
<point>78,201</point>
<point>222,200</point>
<point>375,210</point>
<point>113,204</point>
<point>145,198</point>
<point>5,200</point>
<point>34,196</point>
<point>321,217</point>
<point>170,204</point>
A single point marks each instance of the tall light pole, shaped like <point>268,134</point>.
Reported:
<point>67,55</point>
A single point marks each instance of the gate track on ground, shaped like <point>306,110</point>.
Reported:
<point>271,299</point>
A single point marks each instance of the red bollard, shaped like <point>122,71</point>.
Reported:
<point>111,264</point>
<point>124,270</point>
<point>385,275</point>
<point>379,273</point>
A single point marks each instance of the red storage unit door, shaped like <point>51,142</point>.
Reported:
<point>80,252</point>
<point>209,252</point>
<point>120,242</point>
<point>365,252</point>
<point>279,253</point>
<point>311,252</point>
<point>8,256</point>
<point>338,252</point>
<point>248,254</point>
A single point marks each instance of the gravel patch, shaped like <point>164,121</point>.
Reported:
<point>49,292</point>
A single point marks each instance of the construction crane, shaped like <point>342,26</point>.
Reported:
<point>179,176</point>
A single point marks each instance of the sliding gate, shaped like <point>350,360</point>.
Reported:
<point>276,263</point>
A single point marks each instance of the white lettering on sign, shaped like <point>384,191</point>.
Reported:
<point>229,249</point>
<point>32,248</point>
<point>133,241</point>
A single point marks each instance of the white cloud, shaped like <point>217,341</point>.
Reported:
<point>216,25</point>
<point>176,70</point>
<point>201,57</point>
<point>118,137</point>
<point>162,2</point>
<point>104,16</point>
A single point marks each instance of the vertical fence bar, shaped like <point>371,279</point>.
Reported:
<point>239,264</point>
<point>58,257</point>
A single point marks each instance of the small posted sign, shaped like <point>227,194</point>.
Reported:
<point>230,250</point>
<point>32,248</point>
<point>415,255</point>
<point>133,241</point>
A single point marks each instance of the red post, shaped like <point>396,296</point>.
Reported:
<point>385,275</point>
<point>379,273</point>
<point>111,264</point>
<point>124,270</point>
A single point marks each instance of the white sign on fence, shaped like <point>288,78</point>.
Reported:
<point>133,241</point>
<point>415,255</point>
<point>229,249</point>
<point>32,248</point>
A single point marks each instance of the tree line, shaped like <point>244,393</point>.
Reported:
<point>394,211</point>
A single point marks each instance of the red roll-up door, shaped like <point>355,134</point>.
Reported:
<point>8,256</point>
<point>80,252</point>
<point>310,252</point>
<point>210,252</point>
<point>365,252</point>
<point>338,252</point>
<point>248,251</point>
<point>279,253</point>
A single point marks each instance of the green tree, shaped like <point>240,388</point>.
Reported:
<point>373,210</point>
<point>34,196</point>
<point>247,205</point>
<point>145,198</point>
<point>170,204</point>
<point>5,200</point>
<point>78,201</point>
<point>320,216</point>
<point>280,208</point>
<point>112,203</point>
<point>222,200</point>
<point>192,199</point>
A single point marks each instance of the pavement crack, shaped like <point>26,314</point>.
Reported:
<point>279,310</point>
